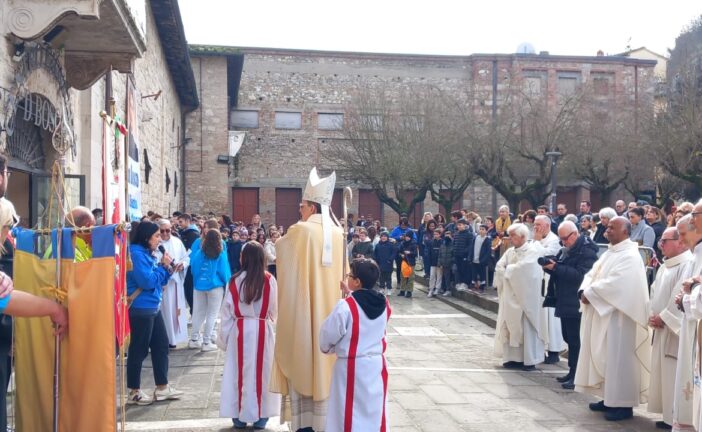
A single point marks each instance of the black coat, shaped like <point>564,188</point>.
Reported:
<point>485,251</point>
<point>384,255</point>
<point>434,248</point>
<point>566,277</point>
<point>462,245</point>
<point>599,234</point>
<point>409,248</point>
<point>188,236</point>
<point>233,254</point>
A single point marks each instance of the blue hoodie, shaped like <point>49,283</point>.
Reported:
<point>209,273</point>
<point>147,275</point>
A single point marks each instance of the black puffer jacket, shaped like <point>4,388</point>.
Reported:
<point>566,277</point>
<point>462,245</point>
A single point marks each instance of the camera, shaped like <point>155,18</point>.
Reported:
<point>544,260</point>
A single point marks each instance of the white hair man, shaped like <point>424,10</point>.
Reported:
<point>615,354</point>
<point>173,305</point>
<point>665,319</point>
<point>522,330</point>
<point>551,245</point>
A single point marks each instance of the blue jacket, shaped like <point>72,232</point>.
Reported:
<point>209,273</point>
<point>398,232</point>
<point>147,275</point>
<point>384,255</point>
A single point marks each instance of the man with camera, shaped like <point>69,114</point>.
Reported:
<point>567,270</point>
<point>551,246</point>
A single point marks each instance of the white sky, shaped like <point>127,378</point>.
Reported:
<point>440,26</point>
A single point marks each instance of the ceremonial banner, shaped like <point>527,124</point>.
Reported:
<point>133,169</point>
<point>87,398</point>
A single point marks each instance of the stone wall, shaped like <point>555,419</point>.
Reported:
<point>206,137</point>
<point>311,82</point>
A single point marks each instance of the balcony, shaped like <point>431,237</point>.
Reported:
<point>95,34</point>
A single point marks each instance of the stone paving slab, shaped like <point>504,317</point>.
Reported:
<point>443,377</point>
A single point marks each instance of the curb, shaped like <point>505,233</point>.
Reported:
<point>468,303</point>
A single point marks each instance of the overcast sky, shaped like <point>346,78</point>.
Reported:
<point>440,26</point>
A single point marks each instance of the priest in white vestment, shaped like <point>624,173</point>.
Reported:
<point>174,306</point>
<point>615,354</point>
<point>309,266</point>
<point>665,320</point>
<point>551,246</point>
<point>684,389</point>
<point>522,332</point>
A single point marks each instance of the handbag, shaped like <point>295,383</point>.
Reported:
<point>549,298</point>
<point>406,269</point>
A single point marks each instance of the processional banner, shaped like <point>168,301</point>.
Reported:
<point>87,395</point>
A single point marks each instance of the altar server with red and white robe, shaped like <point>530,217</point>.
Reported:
<point>248,317</point>
<point>355,332</point>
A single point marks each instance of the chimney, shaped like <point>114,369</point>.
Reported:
<point>600,53</point>
<point>543,53</point>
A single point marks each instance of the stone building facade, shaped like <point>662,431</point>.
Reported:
<point>286,102</point>
<point>83,67</point>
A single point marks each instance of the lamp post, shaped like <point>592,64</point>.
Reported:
<point>554,155</point>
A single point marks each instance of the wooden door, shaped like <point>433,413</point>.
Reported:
<point>287,206</point>
<point>338,203</point>
<point>244,204</point>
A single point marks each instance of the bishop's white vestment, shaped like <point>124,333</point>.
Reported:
<point>664,354</point>
<point>615,352</point>
<point>358,396</point>
<point>551,246</point>
<point>522,328</point>
<point>247,334</point>
<point>693,313</point>
<point>174,307</point>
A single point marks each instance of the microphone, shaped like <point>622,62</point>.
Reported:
<point>163,251</point>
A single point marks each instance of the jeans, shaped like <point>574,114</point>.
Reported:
<point>188,289</point>
<point>570,327</point>
<point>385,280</point>
<point>435,278</point>
<point>147,331</point>
<point>447,276</point>
<point>398,269</point>
<point>205,309</point>
<point>464,271</point>
<point>479,271</point>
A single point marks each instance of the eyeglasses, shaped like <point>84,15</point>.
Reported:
<point>662,241</point>
<point>695,213</point>
<point>165,231</point>
<point>565,239</point>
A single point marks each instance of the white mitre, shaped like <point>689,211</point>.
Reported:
<point>321,191</point>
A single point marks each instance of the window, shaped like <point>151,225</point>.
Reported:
<point>288,120</point>
<point>412,122</point>
<point>534,82</point>
<point>244,119</point>
<point>602,83</point>
<point>568,83</point>
<point>330,121</point>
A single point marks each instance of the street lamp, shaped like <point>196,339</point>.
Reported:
<point>554,155</point>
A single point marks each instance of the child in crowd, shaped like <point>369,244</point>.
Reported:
<point>384,254</point>
<point>445,263</point>
<point>248,322</point>
<point>481,258</point>
<point>435,275</point>
<point>234,251</point>
<point>210,268</point>
<point>355,239</point>
<point>355,332</point>
<point>408,252</point>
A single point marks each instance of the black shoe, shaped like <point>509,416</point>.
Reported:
<point>553,357</point>
<point>564,378</point>
<point>617,414</point>
<point>408,294</point>
<point>529,368</point>
<point>568,385</point>
<point>663,425</point>
<point>171,346</point>
<point>598,406</point>
<point>402,294</point>
<point>512,365</point>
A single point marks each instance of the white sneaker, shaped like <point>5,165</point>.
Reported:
<point>167,393</point>
<point>388,292</point>
<point>446,293</point>
<point>208,346</point>
<point>139,398</point>
<point>194,344</point>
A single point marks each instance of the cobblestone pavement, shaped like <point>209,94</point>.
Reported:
<point>443,377</point>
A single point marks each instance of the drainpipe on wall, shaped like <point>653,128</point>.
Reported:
<point>494,119</point>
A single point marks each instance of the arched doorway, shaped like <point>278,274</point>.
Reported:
<point>31,157</point>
